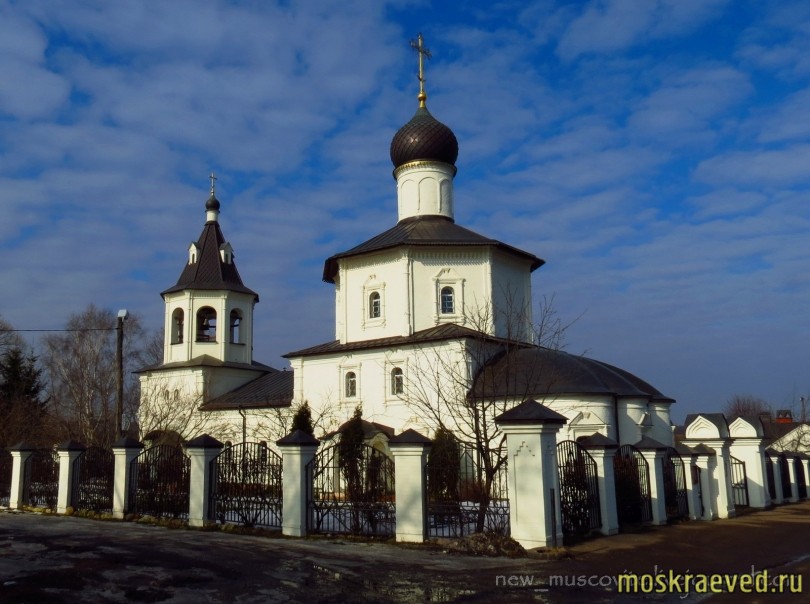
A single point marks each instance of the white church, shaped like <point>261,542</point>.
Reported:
<point>430,317</point>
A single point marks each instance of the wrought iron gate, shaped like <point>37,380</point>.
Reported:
<point>5,477</point>
<point>246,486</point>
<point>632,476</point>
<point>461,500</point>
<point>354,497</point>
<point>739,481</point>
<point>675,494</point>
<point>801,479</point>
<point>41,479</point>
<point>579,489</point>
<point>159,482</point>
<point>93,480</point>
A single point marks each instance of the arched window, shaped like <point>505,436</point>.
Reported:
<point>178,317</point>
<point>351,384</point>
<point>206,324</point>
<point>397,381</point>
<point>374,306</point>
<point>236,327</point>
<point>448,305</point>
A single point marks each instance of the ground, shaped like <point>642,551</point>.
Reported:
<point>65,559</point>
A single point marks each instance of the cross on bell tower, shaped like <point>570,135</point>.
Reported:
<point>423,52</point>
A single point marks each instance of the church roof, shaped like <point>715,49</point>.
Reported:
<point>207,360</point>
<point>274,389</point>
<point>210,272</point>
<point>424,231</point>
<point>541,372</point>
<point>448,331</point>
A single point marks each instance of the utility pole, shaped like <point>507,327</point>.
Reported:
<point>119,375</point>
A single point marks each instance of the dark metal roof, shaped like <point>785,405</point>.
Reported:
<point>448,331</point>
<point>209,272</point>
<point>538,372</point>
<point>530,412</point>
<point>424,138</point>
<point>274,389</point>
<point>424,231</point>
<point>207,361</point>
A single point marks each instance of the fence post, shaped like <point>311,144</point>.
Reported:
<point>297,450</point>
<point>748,446</point>
<point>534,487</point>
<point>603,450</point>
<point>689,457</point>
<point>410,451</point>
<point>125,450</point>
<point>654,453</point>
<point>202,450</point>
<point>806,466</point>
<point>794,481</point>
<point>68,452</point>
<point>19,455</point>
<point>772,457</point>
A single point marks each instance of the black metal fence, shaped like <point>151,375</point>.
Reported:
<point>579,489</point>
<point>351,496</point>
<point>464,497</point>
<point>739,482</point>
<point>93,480</point>
<point>41,479</point>
<point>159,482</point>
<point>675,492</point>
<point>632,479</point>
<point>5,477</point>
<point>246,485</point>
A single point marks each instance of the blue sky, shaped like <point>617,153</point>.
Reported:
<point>656,154</point>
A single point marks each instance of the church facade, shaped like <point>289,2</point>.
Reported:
<point>431,320</point>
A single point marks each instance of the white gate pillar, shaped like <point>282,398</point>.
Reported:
<point>706,459</point>
<point>297,450</point>
<point>410,451</point>
<point>750,452</point>
<point>19,455</point>
<point>68,452</point>
<point>794,481</point>
<point>201,450</point>
<point>534,490</point>
<point>603,450</point>
<point>772,457</point>
<point>806,466</point>
<point>654,453</point>
<point>125,450</point>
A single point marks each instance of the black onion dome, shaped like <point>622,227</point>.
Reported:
<point>212,203</point>
<point>424,138</point>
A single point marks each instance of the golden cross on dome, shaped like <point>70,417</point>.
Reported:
<point>213,183</point>
<point>419,47</point>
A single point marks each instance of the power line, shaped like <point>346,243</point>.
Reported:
<point>62,330</point>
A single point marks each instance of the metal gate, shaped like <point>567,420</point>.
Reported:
<point>93,480</point>
<point>41,479</point>
<point>801,479</point>
<point>632,477</point>
<point>246,485</point>
<point>739,482</point>
<point>5,477</point>
<point>579,489</point>
<point>159,482</point>
<point>461,500</point>
<point>353,496</point>
<point>675,497</point>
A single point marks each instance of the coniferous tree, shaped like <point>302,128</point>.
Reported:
<point>22,406</point>
<point>302,420</point>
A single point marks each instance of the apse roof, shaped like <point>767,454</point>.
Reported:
<point>424,231</point>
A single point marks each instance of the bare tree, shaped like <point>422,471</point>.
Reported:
<point>463,385</point>
<point>745,404</point>
<point>81,373</point>
<point>9,338</point>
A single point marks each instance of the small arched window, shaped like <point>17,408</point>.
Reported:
<point>178,318</point>
<point>351,384</point>
<point>448,305</point>
<point>206,324</point>
<point>374,306</point>
<point>397,381</point>
<point>236,327</point>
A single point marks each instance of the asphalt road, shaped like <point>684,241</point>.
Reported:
<point>72,560</point>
